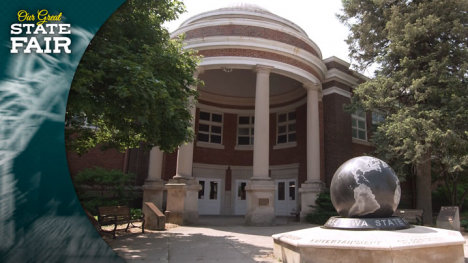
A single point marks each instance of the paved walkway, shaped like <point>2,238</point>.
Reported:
<point>214,239</point>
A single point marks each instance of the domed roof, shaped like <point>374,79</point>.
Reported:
<point>245,6</point>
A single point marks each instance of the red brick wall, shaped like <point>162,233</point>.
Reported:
<point>110,159</point>
<point>337,134</point>
<point>250,31</point>
<point>234,52</point>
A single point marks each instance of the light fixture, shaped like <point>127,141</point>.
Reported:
<point>227,70</point>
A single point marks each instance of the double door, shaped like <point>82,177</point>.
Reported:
<point>285,197</point>
<point>209,197</point>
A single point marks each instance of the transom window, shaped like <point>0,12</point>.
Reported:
<point>358,123</point>
<point>286,127</point>
<point>210,127</point>
<point>245,130</point>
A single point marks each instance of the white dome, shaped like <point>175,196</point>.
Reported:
<point>246,6</point>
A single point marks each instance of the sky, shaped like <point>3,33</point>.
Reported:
<point>316,17</point>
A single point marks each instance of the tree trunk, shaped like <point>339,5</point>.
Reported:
<point>424,188</point>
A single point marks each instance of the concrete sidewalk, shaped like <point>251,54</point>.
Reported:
<point>214,239</point>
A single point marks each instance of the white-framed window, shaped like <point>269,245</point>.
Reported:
<point>286,127</point>
<point>358,123</point>
<point>377,118</point>
<point>210,127</point>
<point>245,130</point>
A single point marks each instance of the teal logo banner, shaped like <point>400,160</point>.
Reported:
<point>41,44</point>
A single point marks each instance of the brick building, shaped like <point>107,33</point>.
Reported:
<point>265,82</point>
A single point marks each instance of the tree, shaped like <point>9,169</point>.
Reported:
<point>420,86</point>
<point>132,84</point>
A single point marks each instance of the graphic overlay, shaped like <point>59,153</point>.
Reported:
<point>41,219</point>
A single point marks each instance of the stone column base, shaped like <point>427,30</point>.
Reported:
<point>309,192</point>
<point>182,201</point>
<point>153,192</point>
<point>260,203</point>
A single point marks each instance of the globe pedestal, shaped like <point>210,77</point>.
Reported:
<point>386,223</point>
<point>416,244</point>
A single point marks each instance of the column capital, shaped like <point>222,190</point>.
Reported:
<point>309,86</point>
<point>263,68</point>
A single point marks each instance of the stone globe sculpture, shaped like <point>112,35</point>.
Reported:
<point>365,192</point>
<point>365,187</point>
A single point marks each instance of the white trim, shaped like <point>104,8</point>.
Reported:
<point>250,63</point>
<point>284,145</point>
<point>251,111</point>
<point>210,166</point>
<point>338,75</point>
<point>221,42</point>
<point>359,141</point>
<point>247,15</point>
<point>243,147</point>
<point>285,166</point>
<point>247,22</point>
<point>337,60</point>
<point>210,145</point>
<point>336,90</point>
<point>239,101</point>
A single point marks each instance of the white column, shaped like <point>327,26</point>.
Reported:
<point>261,189</point>
<point>155,164</point>
<point>262,124</point>
<point>313,133</point>
<point>153,188</point>
<point>185,154</point>
<point>312,187</point>
<point>182,189</point>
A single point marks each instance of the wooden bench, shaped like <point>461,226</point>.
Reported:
<point>116,215</point>
<point>414,216</point>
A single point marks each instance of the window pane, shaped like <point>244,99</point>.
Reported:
<point>243,131</point>
<point>361,124</point>
<point>201,193</point>
<point>203,137</point>
<point>360,113</point>
<point>241,191</point>
<point>281,191</point>
<point>282,117</point>
<point>217,117</point>
<point>282,129</point>
<point>253,120</point>
<point>362,135</point>
<point>292,137</point>
<point>215,139</point>
<point>244,120</point>
<point>204,116</point>
<point>354,132</point>
<point>252,140</point>
<point>213,190</point>
<point>252,131</point>
<point>292,116</point>
<point>243,140</point>
<point>353,122</point>
<point>292,127</point>
<point>203,127</point>
<point>216,129</point>
<point>292,191</point>
<point>282,139</point>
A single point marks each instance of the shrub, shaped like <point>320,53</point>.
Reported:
<point>323,210</point>
<point>100,187</point>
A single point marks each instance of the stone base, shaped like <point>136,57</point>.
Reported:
<point>182,201</point>
<point>154,218</point>
<point>153,192</point>
<point>309,192</point>
<point>416,244</point>
<point>260,203</point>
